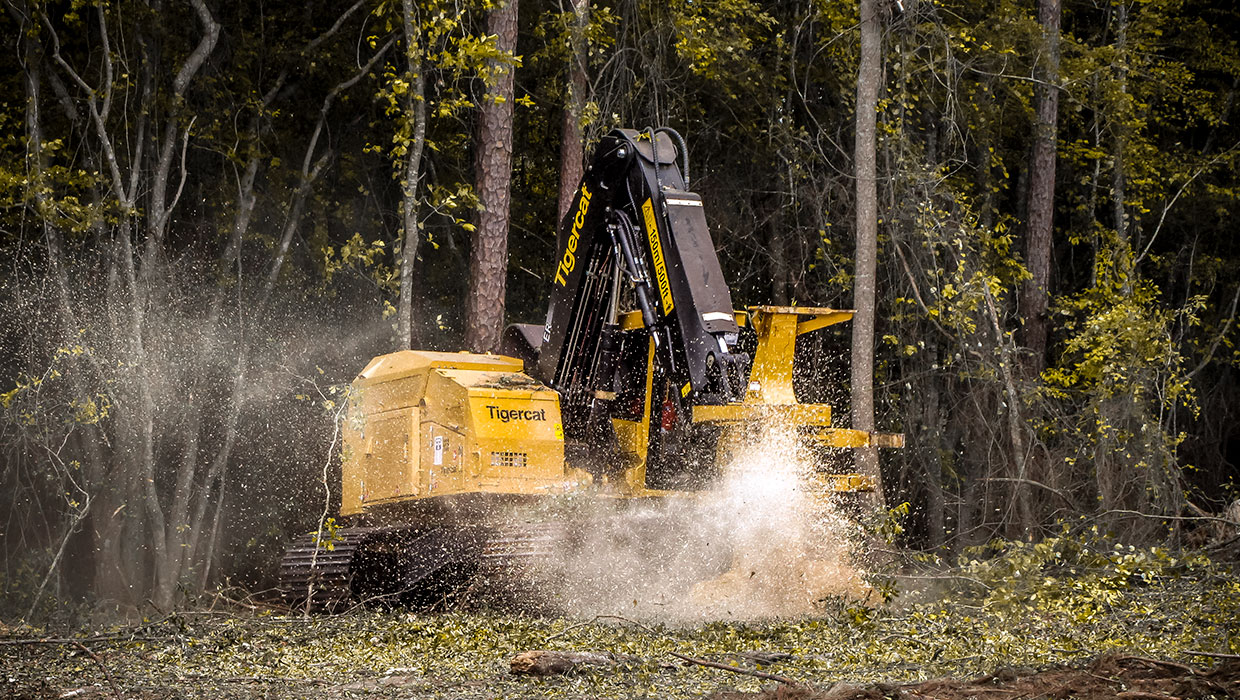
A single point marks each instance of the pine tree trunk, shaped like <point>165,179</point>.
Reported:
<point>868,76</point>
<point>488,258</point>
<point>1038,243</point>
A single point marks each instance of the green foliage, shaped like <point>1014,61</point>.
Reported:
<point>328,536</point>
<point>971,262</point>
<point>1120,342</point>
<point>891,526</point>
<point>1081,575</point>
<point>365,258</point>
<point>40,180</point>
<point>717,41</point>
<point>43,410</point>
<point>1122,371</point>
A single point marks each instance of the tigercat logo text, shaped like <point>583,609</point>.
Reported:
<point>569,261</point>
<point>656,252</point>
<point>505,415</point>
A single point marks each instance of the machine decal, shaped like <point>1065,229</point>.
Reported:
<point>656,251</point>
<point>438,447</point>
<point>569,261</point>
<point>505,415</point>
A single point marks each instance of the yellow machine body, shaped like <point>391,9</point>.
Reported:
<point>428,424</point>
<point>434,440</point>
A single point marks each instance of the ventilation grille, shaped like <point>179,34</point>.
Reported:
<point>508,459</point>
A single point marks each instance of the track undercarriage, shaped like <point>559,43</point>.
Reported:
<point>434,565</point>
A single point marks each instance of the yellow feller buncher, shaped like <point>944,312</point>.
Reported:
<point>642,381</point>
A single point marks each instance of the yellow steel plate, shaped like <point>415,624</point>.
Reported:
<point>816,414</point>
<point>846,483</point>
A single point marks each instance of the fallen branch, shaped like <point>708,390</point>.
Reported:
<point>1160,516</point>
<point>1187,670</point>
<point>250,601</point>
<point>1220,546</point>
<point>80,641</point>
<point>943,577</point>
<point>249,679</point>
<point>1031,482</point>
<point>106,673</point>
<point>1213,654</point>
<point>734,669</point>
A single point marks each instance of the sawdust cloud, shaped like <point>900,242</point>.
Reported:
<point>765,544</point>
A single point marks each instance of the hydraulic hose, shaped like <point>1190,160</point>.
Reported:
<point>684,151</point>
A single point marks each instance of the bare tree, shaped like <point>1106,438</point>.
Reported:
<point>156,470</point>
<point>131,304</point>
<point>415,112</point>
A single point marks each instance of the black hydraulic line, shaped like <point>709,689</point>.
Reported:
<point>577,329</point>
<point>684,151</point>
<point>622,233</point>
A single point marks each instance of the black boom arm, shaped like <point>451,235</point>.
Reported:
<point>636,237</point>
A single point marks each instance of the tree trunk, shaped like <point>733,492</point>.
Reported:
<point>931,455</point>
<point>868,76</point>
<point>1021,521</point>
<point>1118,181</point>
<point>415,109</point>
<point>777,242</point>
<point>1038,245</point>
<point>572,154</point>
<point>488,256</point>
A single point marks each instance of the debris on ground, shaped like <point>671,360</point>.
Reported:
<point>1065,617</point>
<point>1110,677</point>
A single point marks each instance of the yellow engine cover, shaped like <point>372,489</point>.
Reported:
<point>427,424</point>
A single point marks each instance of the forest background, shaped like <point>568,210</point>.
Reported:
<point>213,214</point>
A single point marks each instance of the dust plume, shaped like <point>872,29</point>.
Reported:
<point>765,543</point>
